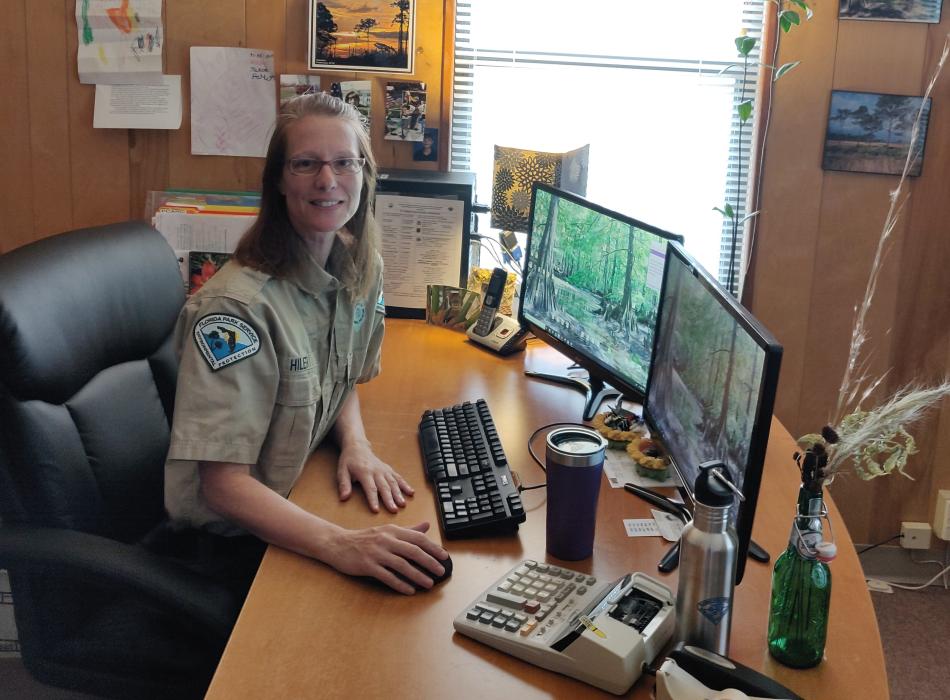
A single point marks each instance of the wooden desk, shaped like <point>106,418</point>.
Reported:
<point>307,631</point>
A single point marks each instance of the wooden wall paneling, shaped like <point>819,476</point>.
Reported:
<point>199,23</point>
<point>296,31</point>
<point>148,166</point>
<point>99,158</point>
<point>429,66</point>
<point>788,224</point>
<point>148,154</point>
<point>16,179</point>
<point>853,209</point>
<point>266,28</point>
<point>448,81</point>
<point>49,64</point>
<point>922,323</point>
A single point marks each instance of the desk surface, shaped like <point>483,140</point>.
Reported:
<point>307,631</point>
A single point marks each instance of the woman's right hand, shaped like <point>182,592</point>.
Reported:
<point>382,550</point>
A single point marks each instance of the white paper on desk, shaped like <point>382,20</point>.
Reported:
<point>422,245</point>
<point>139,106</point>
<point>213,233</point>
<point>668,525</point>
<point>233,101</point>
<point>620,469</point>
<point>641,527</point>
<point>120,42</point>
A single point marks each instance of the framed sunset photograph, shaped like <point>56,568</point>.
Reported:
<point>871,133</point>
<point>367,35</point>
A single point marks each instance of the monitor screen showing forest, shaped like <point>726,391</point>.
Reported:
<point>591,285</point>
<point>712,386</point>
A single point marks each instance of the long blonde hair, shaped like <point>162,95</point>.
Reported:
<point>272,245</point>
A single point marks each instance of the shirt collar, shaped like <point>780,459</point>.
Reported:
<point>314,279</point>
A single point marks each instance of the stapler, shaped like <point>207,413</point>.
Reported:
<point>691,673</point>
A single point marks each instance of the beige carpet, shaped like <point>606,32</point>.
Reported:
<point>915,632</point>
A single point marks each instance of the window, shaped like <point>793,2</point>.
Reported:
<point>641,82</point>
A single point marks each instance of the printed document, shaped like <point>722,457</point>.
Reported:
<point>422,245</point>
<point>139,106</point>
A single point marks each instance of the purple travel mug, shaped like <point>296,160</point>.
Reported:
<point>574,461</point>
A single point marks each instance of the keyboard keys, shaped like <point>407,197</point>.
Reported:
<point>462,452</point>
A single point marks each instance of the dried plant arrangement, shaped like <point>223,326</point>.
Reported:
<point>872,442</point>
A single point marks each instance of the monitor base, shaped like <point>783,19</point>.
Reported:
<point>596,391</point>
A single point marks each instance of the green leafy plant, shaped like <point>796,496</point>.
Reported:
<point>789,14</point>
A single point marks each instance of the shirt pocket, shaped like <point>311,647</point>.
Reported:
<point>291,429</point>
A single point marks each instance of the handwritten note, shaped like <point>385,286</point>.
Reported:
<point>120,41</point>
<point>233,101</point>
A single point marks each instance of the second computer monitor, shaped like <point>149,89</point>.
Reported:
<point>591,286</point>
<point>712,385</point>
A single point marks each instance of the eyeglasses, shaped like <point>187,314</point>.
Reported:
<point>312,166</point>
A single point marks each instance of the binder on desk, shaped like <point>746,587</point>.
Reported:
<point>425,222</point>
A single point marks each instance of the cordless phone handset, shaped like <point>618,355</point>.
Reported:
<point>496,286</point>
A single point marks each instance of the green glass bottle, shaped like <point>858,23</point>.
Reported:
<point>801,590</point>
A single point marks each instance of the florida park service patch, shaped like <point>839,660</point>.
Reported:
<point>224,340</point>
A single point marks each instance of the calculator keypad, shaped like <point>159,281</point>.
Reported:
<point>529,595</point>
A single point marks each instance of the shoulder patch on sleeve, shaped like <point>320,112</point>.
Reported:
<point>224,340</point>
<point>380,303</point>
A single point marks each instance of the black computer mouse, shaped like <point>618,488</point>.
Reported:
<point>446,563</point>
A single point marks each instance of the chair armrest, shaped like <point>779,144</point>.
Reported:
<point>167,583</point>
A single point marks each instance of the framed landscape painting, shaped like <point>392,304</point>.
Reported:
<point>369,35</point>
<point>926,11</point>
<point>871,133</point>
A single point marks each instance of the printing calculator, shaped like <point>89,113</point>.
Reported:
<point>599,632</point>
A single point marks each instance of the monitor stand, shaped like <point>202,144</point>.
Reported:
<point>671,559</point>
<point>596,391</point>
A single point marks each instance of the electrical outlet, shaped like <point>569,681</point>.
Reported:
<point>942,515</point>
<point>915,535</point>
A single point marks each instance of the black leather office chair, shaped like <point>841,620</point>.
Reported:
<point>87,380</point>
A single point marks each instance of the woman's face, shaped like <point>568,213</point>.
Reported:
<point>323,202</point>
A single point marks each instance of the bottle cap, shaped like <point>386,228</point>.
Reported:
<point>826,551</point>
<point>710,489</point>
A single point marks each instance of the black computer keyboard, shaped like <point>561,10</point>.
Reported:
<point>464,459</point>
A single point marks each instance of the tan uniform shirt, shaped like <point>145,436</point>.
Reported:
<point>266,364</point>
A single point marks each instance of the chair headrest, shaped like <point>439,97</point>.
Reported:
<point>62,296</point>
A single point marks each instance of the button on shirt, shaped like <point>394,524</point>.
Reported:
<point>266,364</point>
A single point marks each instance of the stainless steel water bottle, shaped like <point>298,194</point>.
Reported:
<point>707,569</point>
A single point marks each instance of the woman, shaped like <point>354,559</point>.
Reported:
<point>270,351</point>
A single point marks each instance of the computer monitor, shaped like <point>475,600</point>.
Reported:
<point>712,384</point>
<point>590,289</point>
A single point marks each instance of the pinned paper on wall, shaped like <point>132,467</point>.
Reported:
<point>139,106</point>
<point>119,41</point>
<point>233,101</point>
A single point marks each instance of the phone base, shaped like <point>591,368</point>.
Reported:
<point>505,337</point>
